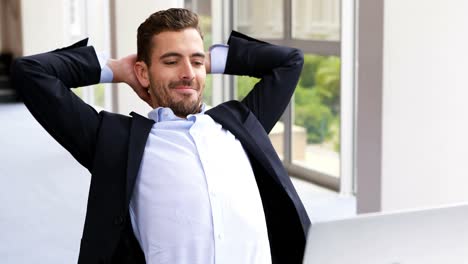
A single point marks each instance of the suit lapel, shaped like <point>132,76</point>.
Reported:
<point>139,132</point>
<point>243,124</point>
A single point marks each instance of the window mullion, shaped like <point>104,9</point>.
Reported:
<point>288,113</point>
<point>287,15</point>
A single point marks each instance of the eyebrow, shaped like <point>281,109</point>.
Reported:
<point>175,54</point>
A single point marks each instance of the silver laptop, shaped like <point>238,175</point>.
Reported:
<point>430,236</point>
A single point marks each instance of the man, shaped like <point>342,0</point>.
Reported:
<point>184,185</point>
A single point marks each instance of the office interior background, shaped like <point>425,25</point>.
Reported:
<point>378,122</point>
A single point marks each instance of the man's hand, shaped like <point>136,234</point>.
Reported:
<point>124,72</point>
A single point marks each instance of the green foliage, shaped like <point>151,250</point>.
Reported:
<point>312,114</point>
<point>327,85</point>
<point>205,27</point>
<point>311,63</point>
<point>99,91</point>
<point>335,133</point>
<point>244,86</point>
<point>208,91</point>
<point>316,100</point>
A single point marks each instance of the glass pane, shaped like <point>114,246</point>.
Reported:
<point>316,113</point>
<point>203,9</point>
<point>277,138</point>
<point>99,96</point>
<point>244,85</point>
<point>316,19</point>
<point>78,91</point>
<point>260,18</point>
<point>89,19</point>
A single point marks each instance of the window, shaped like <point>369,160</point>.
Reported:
<point>315,135</point>
<point>269,25</point>
<point>203,9</point>
<point>316,20</point>
<point>309,136</point>
<point>90,19</point>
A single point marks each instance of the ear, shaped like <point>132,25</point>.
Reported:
<point>142,73</point>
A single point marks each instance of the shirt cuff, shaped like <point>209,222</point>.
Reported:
<point>218,54</point>
<point>106,73</point>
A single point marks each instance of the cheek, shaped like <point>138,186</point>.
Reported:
<point>159,77</point>
<point>201,80</point>
<point>161,74</point>
<point>157,86</point>
<point>155,76</point>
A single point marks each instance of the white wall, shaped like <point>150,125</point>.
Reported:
<point>43,27</point>
<point>128,17</point>
<point>425,103</point>
<point>97,24</point>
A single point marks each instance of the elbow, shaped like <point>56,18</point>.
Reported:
<point>17,74</point>
<point>298,57</point>
<point>296,61</point>
<point>17,66</point>
<point>21,70</point>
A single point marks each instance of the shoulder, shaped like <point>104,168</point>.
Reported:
<point>114,121</point>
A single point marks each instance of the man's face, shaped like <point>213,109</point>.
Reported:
<point>177,73</point>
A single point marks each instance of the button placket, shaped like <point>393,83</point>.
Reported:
<point>206,140</point>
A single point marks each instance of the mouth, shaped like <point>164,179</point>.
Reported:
<point>184,89</point>
<point>179,87</point>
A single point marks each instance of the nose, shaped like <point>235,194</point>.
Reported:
<point>186,71</point>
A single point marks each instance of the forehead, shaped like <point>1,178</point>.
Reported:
<point>186,41</point>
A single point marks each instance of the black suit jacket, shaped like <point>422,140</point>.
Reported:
<point>111,146</point>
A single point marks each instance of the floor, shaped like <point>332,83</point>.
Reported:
<point>42,205</point>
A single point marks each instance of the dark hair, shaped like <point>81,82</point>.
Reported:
<point>173,19</point>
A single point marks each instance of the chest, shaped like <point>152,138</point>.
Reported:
<point>195,153</point>
<point>198,188</point>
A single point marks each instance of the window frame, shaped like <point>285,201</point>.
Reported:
<point>224,15</point>
<point>344,48</point>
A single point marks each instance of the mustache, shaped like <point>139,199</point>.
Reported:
<point>181,83</point>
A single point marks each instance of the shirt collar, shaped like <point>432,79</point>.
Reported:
<point>161,114</point>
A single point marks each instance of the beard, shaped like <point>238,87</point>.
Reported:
<point>185,107</point>
<point>182,107</point>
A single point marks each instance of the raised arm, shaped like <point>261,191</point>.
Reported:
<point>124,71</point>
<point>44,81</point>
<point>278,68</point>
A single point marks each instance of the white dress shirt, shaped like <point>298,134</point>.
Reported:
<point>195,198</point>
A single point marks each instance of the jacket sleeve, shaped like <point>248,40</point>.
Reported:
<point>44,81</point>
<point>278,68</point>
